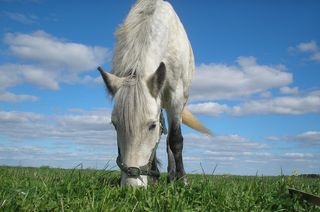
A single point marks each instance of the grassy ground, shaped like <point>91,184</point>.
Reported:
<point>46,189</point>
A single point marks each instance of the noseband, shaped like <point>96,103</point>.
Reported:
<point>146,169</point>
<point>141,170</point>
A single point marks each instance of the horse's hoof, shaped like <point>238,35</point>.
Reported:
<point>154,180</point>
<point>185,181</point>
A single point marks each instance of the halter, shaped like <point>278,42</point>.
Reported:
<point>146,169</point>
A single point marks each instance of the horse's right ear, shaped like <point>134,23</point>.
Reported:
<point>111,81</point>
<point>157,80</point>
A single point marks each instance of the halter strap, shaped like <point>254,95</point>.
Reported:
<point>141,170</point>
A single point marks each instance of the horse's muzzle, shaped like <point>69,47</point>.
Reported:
<point>137,181</point>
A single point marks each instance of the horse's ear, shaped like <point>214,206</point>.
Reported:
<point>111,81</point>
<point>156,81</point>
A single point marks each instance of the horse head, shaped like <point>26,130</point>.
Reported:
<point>136,117</point>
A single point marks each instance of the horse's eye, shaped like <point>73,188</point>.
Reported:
<point>152,126</point>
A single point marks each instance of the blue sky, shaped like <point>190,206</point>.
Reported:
<point>256,85</point>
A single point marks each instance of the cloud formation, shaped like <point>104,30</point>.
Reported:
<point>237,154</point>
<point>283,105</point>
<point>45,49</point>
<point>209,108</point>
<point>57,140</point>
<point>311,48</point>
<point>289,90</point>
<point>21,18</point>
<point>86,136</point>
<point>92,127</point>
<point>46,62</point>
<point>95,140</point>
<point>221,82</point>
<point>309,138</point>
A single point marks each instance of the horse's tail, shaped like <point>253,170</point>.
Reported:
<point>191,121</point>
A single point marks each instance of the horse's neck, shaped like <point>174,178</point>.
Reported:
<point>134,40</point>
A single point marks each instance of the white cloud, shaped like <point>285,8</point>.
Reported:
<point>210,108</point>
<point>220,81</point>
<point>284,105</point>
<point>21,18</point>
<point>50,61</point>
<point>23,149</point>
<point>288,90</point>
<point>309,138</point>
<point>85,136</point>
<point>238,141</point>
<point>91,127</point>
<point>237,154</point>
<point>316,56</point>
<point>226,151</point>
<point>12,75</point>
<point>34,139</point>
<point>11,97</point>
<point>39,77</point>
<point>272,138</point>
<point>298,155</point>
<point>221,143</point>
<point>266,94</point>
<point>96,121</point>
<point>34,155</point>
<point>310,48</point>
<point>45,49</point>
<point>287,105</point>
<point>19,117</point>
<point>8,76</point>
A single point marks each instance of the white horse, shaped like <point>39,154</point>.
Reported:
<point>152,68</point>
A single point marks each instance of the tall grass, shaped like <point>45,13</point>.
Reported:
<point>47,189</point>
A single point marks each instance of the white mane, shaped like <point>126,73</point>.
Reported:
<point>133,40</point>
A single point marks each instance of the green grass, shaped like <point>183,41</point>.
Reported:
<point>47,189</point>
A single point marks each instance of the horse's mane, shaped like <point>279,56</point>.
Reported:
<point>133,40</point>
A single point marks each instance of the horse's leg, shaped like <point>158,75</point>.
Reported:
<point>175,146</point>
<point>171,163</point>
<point>154,167</point>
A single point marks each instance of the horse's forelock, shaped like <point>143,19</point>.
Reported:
<point>131,105</point>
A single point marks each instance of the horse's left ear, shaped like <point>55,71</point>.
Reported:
<point>156,81</point>
<point>111,81</point>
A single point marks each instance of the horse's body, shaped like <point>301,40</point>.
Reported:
<point>152,34</point>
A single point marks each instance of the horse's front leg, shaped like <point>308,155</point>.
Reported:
<point>175,147</point>
<point>171,163</point>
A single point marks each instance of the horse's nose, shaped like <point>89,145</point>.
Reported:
<point>140,181</point>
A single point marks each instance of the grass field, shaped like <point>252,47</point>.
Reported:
<point>48,189</point>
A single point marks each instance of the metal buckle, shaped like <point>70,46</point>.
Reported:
<point>133,172</point>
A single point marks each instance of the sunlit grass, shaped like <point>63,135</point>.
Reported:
<point>46,189</point>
